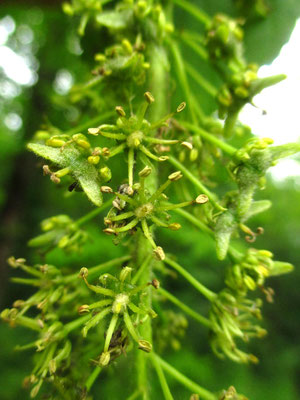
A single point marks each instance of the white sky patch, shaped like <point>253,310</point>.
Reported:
<point>282,104</point>
<point>7,26</point>
<point>15,67</point>
<point>63,81</point>
<point>13,121</point>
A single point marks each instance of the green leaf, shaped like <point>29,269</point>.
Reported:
<point>280,267</point>
<point>284,150</point>
<point>84,172</point>
<point>225,227</point>
<point>114,19</point>
<point>258,207</point>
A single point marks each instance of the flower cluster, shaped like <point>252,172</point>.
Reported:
<point>224,42</point>
<point>136,136</point>
<point>224,39</point>
<point>122,300</point>
<point>135,207</point>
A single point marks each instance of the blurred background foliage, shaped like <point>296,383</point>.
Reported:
<point>47,40</point>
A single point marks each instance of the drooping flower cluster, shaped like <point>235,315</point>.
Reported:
<point>233,315</point>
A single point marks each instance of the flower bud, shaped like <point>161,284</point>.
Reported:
<point>194,155</point>
<point>83,272</point>
<point>94,160</point>
<point>174,226</point>
<point>105,174</point>
<point>127,46</point>
<point>54,142</point>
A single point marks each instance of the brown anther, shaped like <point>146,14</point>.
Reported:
<point>44,268</point>
<point>145,172</point>
<point>83,272</point>
<point>116,204</point>
<point>18,303</point>
<point>84,309</point>
<point>93,131</point>
<point>120,111</point>
<point>46,170</point>
<point>149,97</point>
<point>259,230</point>
<point>188,145</point>
<point>107,221</point>
<point>97,151</point>
<point>250,239</point>
<point>106,189</point>
<point>159,253</point>
<point>54,178</point>
<point>105,152</point>
<point>181,107</point>
<point>175,176</point>
<point>109,231</point>
<point>163,158</point>
<point>162,149</point>
<point>40,323</point>
<point>201,199</point>
<point>155,283</point>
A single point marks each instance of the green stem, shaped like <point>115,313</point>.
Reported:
<point>127,227</point>
<point>180,67</point>
<point>230,123</point>
<point>130,166</point>
<point>130,327</point>
<point>71,326</point>
<point>194,220</point>
<point>141,270</point>
<point>110,331</point>
<point>195,181</point>
<point>198,317</point>
<point>28,323</point>
<point>227,148</point>
<point>193,281</point>
<point>92,214</point>
<point>147,233</point>
<point>162,379</point>
<point>91,379</point>
<point>192,386</point>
